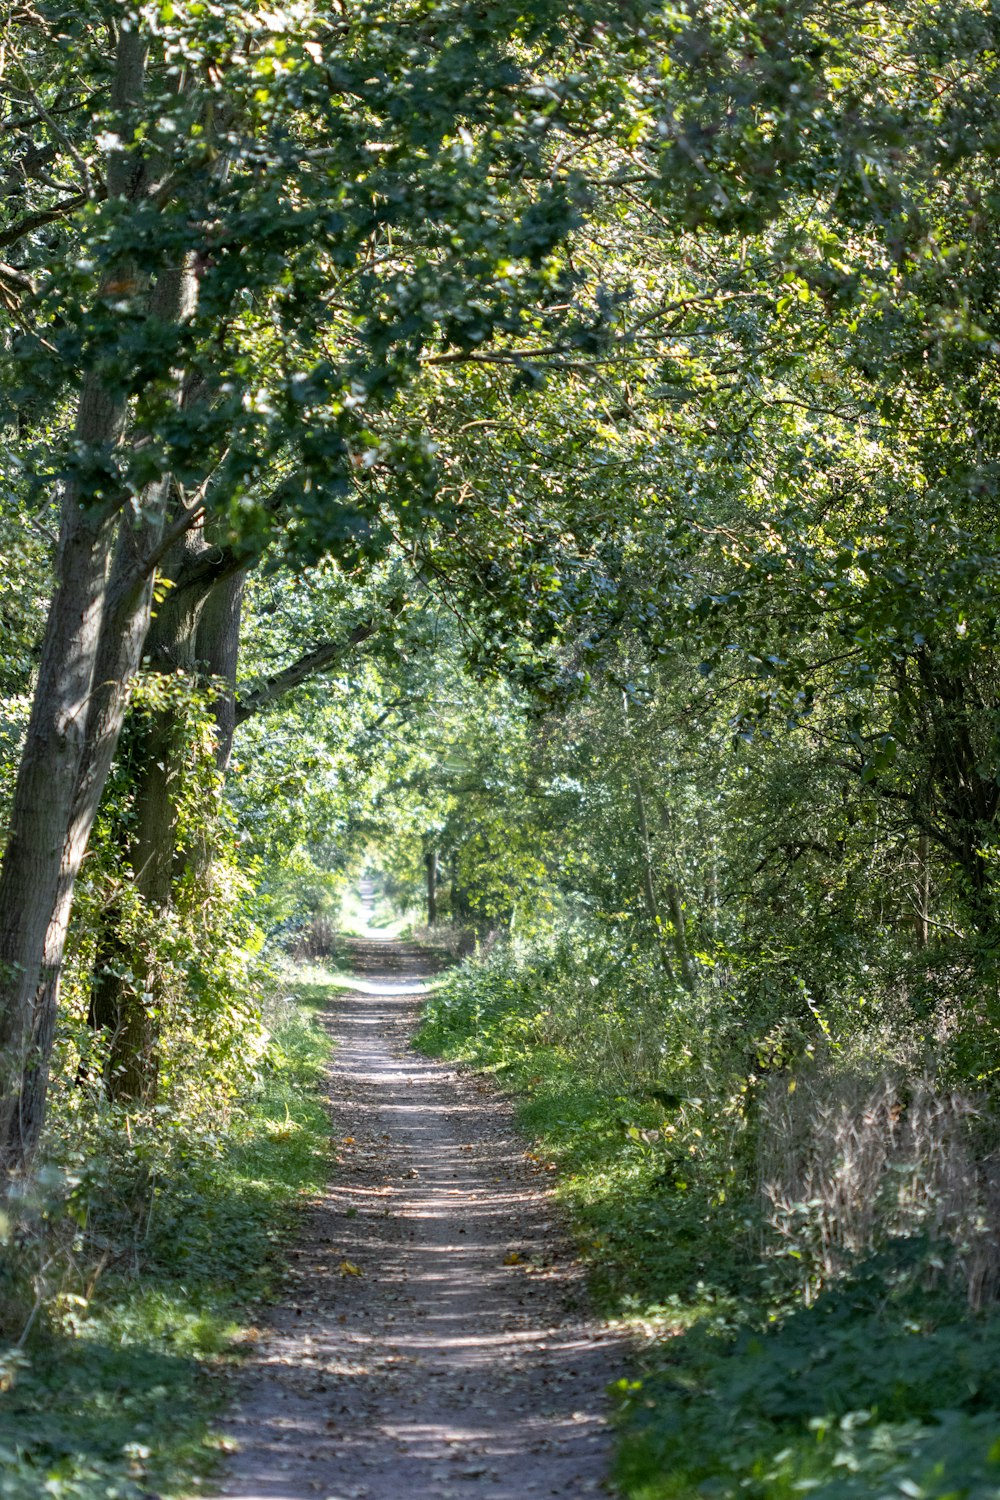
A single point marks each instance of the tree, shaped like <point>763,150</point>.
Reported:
<point>625,253</point>
<point>229,298</point>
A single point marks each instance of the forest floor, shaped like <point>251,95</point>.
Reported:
<point>436,1341</point>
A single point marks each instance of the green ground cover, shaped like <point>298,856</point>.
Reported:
<point>109,1396</point>
<point>876,1386</point>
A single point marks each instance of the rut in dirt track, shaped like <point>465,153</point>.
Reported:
<point>460,1362</point>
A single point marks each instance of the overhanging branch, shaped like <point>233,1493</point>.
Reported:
<point>310,664</point>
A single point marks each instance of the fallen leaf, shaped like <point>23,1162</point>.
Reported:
<point>348,1268</point>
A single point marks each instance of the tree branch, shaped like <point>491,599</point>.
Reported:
<point>44,216</point>
<point>214,563</point>
<point>187,518</point>
<point>319,659</point>
<point>495,357</point>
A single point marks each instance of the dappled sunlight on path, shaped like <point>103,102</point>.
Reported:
<point>437,1345</point>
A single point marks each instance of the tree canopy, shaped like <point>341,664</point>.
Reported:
<point>543,453</point>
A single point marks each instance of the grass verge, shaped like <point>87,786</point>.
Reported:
<point>109,1397</point>
<point>877,1387</point>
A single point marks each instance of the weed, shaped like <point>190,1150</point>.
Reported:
<point>878,1384</point>
<point>108,1397</point>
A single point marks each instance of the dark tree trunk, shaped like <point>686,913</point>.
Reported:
<point>40,852</point>
<point>218,649</point>
<point>124,630</point>
<point>431,869</point>
<point>952,725</point>
<point>47,840</point>
<point>676,905</point>
<point>196,631</point>
<point>457,900</point>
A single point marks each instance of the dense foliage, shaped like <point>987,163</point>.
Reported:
<point>546,453</point>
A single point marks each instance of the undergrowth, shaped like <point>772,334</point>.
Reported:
<point>140,1279</point>
<point>760,1378</point>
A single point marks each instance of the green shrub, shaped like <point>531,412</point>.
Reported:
<point>141,1245</point>
<point>619,1084</point>
<point>880,1389</point>
<point>790,1360</point>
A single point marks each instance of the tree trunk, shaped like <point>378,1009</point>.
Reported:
<point>922,923</point>
<point>679,925</point>
<point>41,855</point>
<point>645,850</point>
<point>648,886</point>
<point>195,631</point>
<point>39,848</point>
<point>124,629</point>
<point>969,801</point>
<point>431,867</point>
<point>217,649</point>
<point>123,999</point>
<point>91,649</point>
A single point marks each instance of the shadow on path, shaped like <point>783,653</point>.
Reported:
<point>438,1344</point>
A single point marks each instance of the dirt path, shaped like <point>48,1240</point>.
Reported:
<point>460,1362</point>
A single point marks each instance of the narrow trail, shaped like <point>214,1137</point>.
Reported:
<point>460,1362</point>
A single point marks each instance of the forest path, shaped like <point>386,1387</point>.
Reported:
<point>440,1371</point>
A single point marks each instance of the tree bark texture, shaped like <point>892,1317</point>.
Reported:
<point>91,650</point>
<point>41,816</point>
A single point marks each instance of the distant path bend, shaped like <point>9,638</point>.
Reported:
<point>461,1361</point>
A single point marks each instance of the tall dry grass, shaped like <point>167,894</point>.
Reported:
<point>850,1159</point>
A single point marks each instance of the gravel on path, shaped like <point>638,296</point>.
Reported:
<point>436,1344</point>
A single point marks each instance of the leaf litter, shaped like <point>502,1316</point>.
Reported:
<point>435,1342</point>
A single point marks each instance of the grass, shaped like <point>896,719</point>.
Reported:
<point>649,1187</point>
<point>883,1387</point>
<point>111,1399</point>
